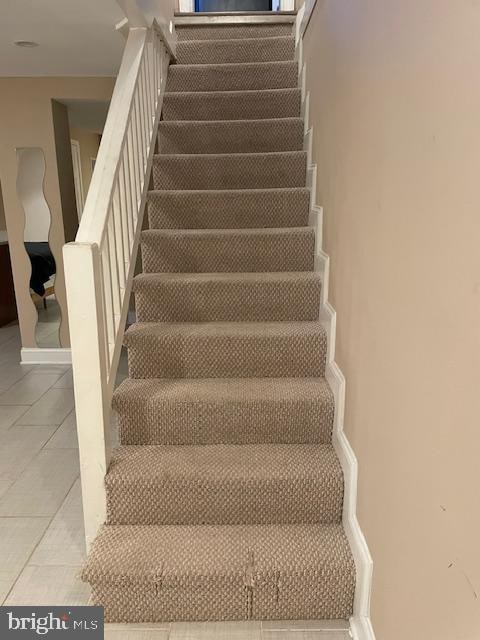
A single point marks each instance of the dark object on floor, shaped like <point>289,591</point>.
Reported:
<point>8,307</point>
<point>43,265</point>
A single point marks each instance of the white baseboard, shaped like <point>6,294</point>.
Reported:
<point>360,624</point>
<point>361,628</point>
<point>45,356</point>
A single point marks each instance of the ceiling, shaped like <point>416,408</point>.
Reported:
<point>75,37</point>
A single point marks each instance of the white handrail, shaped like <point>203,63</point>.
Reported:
<point>100,264</point>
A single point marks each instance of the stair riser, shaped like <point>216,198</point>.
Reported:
<point>230,252</point>
<point>306,600</point>
<point>228,356</point>
<point>232,105</point>
<point>236,77</point>
<point>222,32</point>
<point>161,602</point>
<point>231,136</point>
<point>162,422</point>
<point>158,574</point>
<point>228,210</point>
<point>269,171</point>
<point>231,51</point>
<point>254,502</point>
<point>226,301</point>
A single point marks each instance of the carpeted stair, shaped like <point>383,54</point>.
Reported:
<point>225,497</point>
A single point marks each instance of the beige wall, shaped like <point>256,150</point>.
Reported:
<point>26,121</point>
<point>396,109</point>
<point>89,143</point>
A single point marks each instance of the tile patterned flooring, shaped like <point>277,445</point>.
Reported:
<point>41,529</point>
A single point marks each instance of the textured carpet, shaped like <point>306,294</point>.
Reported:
<point>224,484</point>
<point>231,136</point>
<point>224,171</point>
<point>152,573</point>
<point>233,209</point>
<point>225,250</point>
<point>246,76</point>
<point>225,496</point>
<point>232,105</point>
<point>218,51</point>
<point>224,410</point>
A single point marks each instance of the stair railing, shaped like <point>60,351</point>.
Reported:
<point>100,264</point>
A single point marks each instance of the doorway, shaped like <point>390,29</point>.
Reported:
<point>218,6</point>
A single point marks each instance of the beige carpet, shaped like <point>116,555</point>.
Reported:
<point>225,497</point>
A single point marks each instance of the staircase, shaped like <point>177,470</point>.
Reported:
<point>225,497</point>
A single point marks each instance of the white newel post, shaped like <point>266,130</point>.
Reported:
<point>89,360</point>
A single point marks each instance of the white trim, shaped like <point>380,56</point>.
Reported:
<point>303,18</point>
<point>186,6</point>
<point>77,177</point>
<point>224,19</point>
<point>361,628</point>
<point>298,25</point>
<point>360,624</point>
<point>45,356</point>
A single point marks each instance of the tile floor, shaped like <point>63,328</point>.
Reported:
<point>41,531</point>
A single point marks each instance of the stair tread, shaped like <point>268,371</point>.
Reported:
<point>136,554</point>
<point>222,31</point>
<point>146,279</point>
<point>230,170</point>
<point>224,410</point>
<point>233,76</point>
<point>232,66</point>
<point>235,94</point>
<point>144,464</point>
<point>224,484</point>
<point>228,209</point>
<point>232,105</point>
<point>234,136</point>
<point>234,157</point>
<point>224,329</point>
<point>152,573</point>
<point>241,128</point>
<point>242,41</point>
<point>243,193</point>
<point>226,349</point>
<point>226,296</point>
<point>205,124</point>
<point>236,50</point>
<point>220,390</point>
<point>228,250</point>
<point>244,232</point>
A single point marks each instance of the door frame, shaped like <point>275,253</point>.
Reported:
<point>188,6</point>
<point>77,177</point>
